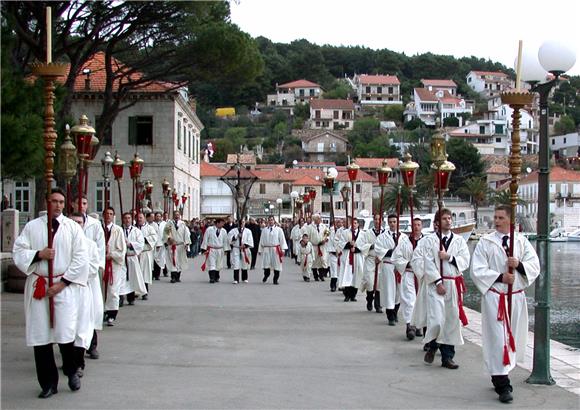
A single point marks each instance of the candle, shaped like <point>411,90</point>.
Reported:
<point>519,66</point>
<point>48,35</point>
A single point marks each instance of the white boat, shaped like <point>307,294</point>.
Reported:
<point>558,235</point>
<point>574,236</point>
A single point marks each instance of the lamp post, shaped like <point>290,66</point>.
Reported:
<point>135,170</point>
<point>106,164</point>
<point>442,169</point>
<point>383,173</point>
<point>345,193</point>
<point>329,179</point>
<point>299,205</point>
<point>312,196</point>
<point>68,165</point>
<point>148,192</point>
<point>556,59</point>
<point>175,200</point>
<point>294,196</point>
<point>352,171</point>
<point>83,135</point>
<point>94,147</point>
<point>279,203</point>
<point>409,173</point>
<point>166,194</point>
<point>306,201</point>
<point>118,166</point>
<point>184,198</point>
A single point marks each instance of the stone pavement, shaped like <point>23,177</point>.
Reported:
<point>254,345</point>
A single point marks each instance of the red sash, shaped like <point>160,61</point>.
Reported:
<point>40,286</point>
<point>108,275</point>
<point>246,259</point>
<point>502,316</point>
<point>305,261</point>
<point>461,289</point>
<point>319,251</point>
<point>209,248</point>
<point>173,251</point>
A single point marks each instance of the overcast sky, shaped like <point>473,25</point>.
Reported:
<point>487,28</point>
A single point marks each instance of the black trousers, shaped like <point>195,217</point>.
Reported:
<point>156,271</point>
<point>228,260</point>
<point>254,252</point>
<point>447,351</point>
<point>237,274</point>
<point>46,370</point>
<point>94,342</point>
<point>501,383</point>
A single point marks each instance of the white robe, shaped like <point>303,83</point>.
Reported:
<point>333,253</point>
<point>351,275</point>
<point>272,242</point>
<point>419,316</point>
<point>443,321</point>
<point>70,261</point>
<point>159,253</point>
<point>318,236</point>
<point>146,257</point>
<point>89,318</point>
<point>133,276</point>
<point>241,256</point>
<point>401,258</point>
<point>305,256</point>
<point>388,284</point>
<point>116,250</point>
<point>296,236</point>
<point>368,281</point>
<point>95,233</point>
<point>215,247</point>
<point>489,261</point>
<point>176,258</point>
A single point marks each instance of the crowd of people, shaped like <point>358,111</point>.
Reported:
<point>99,266</point>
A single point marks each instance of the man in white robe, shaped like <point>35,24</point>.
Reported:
<point>389,277</point>
<point>70,274</point>
<point>114,274</point>
<point>305,256</point>
<point>334,253</point>
<point>401,258</point>
<point>177,238</point>
<point>94,231</point>
<point>296,237</point>
<point>241,243</point>
<point>146,257</point>
<point>445,289</point>
<point>371,267</point>
<point>214,245</point>
<point>90,314</point>
<point>504,335</point>
<point>355,249</point>
<point>134,285</point>
<point>159,252</point>
<point>318,235</point>
<point>272,246</point>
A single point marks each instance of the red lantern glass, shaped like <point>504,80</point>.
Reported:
<point>183,198</point>
<point>312,193</point>
<point>408,178</point>
<point>134,169</point>
<point>383,178</point>
<point>117,167</point>
<point>149,188</point>
<point>306,197</point>
<point>352,171</point>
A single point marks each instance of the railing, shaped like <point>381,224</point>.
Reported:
<point>208,209</point>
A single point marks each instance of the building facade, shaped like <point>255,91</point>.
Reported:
<point>331,114</point>
<point>294,92</point>
<point>377,90</point>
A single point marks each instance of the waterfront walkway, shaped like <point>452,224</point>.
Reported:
<point>254,345</point>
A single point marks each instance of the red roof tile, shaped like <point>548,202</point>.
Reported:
<point>498,169</point>
<point>425,95</point>
<point>379,79</point>
<point>360,177</point>
<point>377,162</point>
<point>332,104</point>
<point>299,84</point>
<point>438,83</point>
<point>495,73</point>
<point>211,170</point>
<point>307,181</point>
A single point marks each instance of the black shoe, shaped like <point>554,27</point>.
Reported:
<point>346,298</point>
<point>379,309</point>
<point>353,299</point>
<point>131,303</point>
<point>45,394</point>
<point>429,356</point>
<point>144,297</point>
<point>264,279</point>
<point>121,302</point>
<point>210,281</point>
<point>370,305</point>
<point>321,277</point>
<point>80,372</point>
<point>173,280</point>
<point>504,397</point>
<point>74,382</point>
<point>316,278</point>
<point>391,322</point>
<point>450,364</point>
<point>93,354</point>
<point>426,347</point>
<point>418,333</point>
<point>411,332</point>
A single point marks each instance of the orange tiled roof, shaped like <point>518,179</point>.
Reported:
<point>210,170</point>
<point>307,180</point>
<point>498,169</point>
<point>379,79</point>
<point>425,95</point>
<point>438,83</point>
<point>300,84</point>
<point>557,174</point>
<point>332,104</point>
<point>377,162</point>
<point>495,73</point>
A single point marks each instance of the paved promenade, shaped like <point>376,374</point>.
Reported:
<point>254,345</point>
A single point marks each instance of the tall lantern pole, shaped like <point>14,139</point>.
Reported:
<point>306,202</point>
<point>383,172</point>
<point>409,173</point>
<point>352,171</point>
<point>84,136</point>
<point>345,193</point>
<point>312,198</point>
<point>49,72</point>
<point>118,166</point>
<point>135,170</point>
<point>165,188</point>
<point>107,163</point>
<point>329,179</point>
<point>68,166</point>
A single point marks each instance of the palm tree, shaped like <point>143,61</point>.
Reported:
<point>426,188</point>
<point>390,199</point>
<point>477,190</point>
<point>504,198</point>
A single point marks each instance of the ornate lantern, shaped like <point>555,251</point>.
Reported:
<point>68,156</point>
<point>409,171</point>
<point>118,165</point>
<point>149,187</point>
<point>312,193</point>
<point>165,187</point>
<point>443,175</point>
<point>306,197</point>
<point>345,193</point>
<point>136,166</point>
<point>438,153</point>
<point>83,134</point>
<point>384,171</point>
<point>352,170</point>
<point>184,198</point>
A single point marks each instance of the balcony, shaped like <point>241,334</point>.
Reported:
<point>216,210</point>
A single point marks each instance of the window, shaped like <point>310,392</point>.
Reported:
<point>498,129</point>
<point>99,197</point>
<point>301,92</point>
<point>339,205</point>
<point>368,90</point>
<point>564,140</point>
<point>335,114</point>
<point>22,196</point>
<point>286,188</point>
<point>390,98</point>
<point>498,140</point>
<point>379,98</point>
<point>325,124</point>
<point>318,123</point>
<point>379,90</point>
<point>107,134</point>
<point>262,188</point>
<point>346,124</point>
<point>311,92</point>
<point>326,207</point>
<point>390,90</point>
<point>553,141</point>
<point>320,147</point>
<point>357,188</point>
<point>482,129</point>
<point>141,130</point>
<point>317,114</point>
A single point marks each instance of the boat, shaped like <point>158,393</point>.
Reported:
<point>574,236</point>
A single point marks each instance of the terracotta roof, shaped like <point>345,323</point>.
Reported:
<point>98,77</point>
<point>210,170</point>
<point>244,158</point>
<point>557,174</point>
<point>377,162</point>
<point>299,84</point>
<point>318,164</point>
<point>498,169</point>
<point>307,181</point>
<point>379,79</point>
<point>360,177</point>
<point>438,83</point>
<point>495,73</point>
<point>425,95</point>
<point>308,134</point>
<point>332,104</point>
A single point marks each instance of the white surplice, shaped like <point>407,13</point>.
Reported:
<point>489,261</point>
<point>240,244</point>
<point>401,258</point>
<point>146,257</point>
<point>176,253</point>
<point>352,270</point>
<point>388,285</point>
<point>133,276</point>
<point>333,253</point>
<point>215,243</point>
<point>368,281</point>
<point>318,236</point>
<point>116,250</point>
<point>89,316</point>
<point>296,236</point>
<point>70,262</point>
<point>272,247</point>
<point>305,256</point>
<point>159,252</point>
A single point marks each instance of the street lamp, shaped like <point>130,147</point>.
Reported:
<point>306,201</point>
<point>312,196</point>
<point>279,203</point>
<point>83,135</point>
<point>175,199</point>
<point>166,194</point>
<point>68,165</point>
<point>135,170</point>
<point>299,205</point>
<point>383,172</point>
<point>352,171</point>
<point>148,192</point>
<point>106,164</point>
<point>184,198</point>
<point>329,179</point>
<point>409,173</point>
<point>294,196</point>
<point>118,166</point>
<point>556,59</point>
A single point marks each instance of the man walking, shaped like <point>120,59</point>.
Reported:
<point>159,253</point>
<point>146,256</point>
<point>318,235</point>
<point>215,244</point>
<point>241,242</point>
<point>389,277</point>
<point>371,266</point>
<point>134,284</point>
<point>115,269</point>
<point>176,238</point>
<point>272,247</point>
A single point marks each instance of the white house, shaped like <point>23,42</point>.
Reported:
<point>216,197</point>
<point>331,114</point>
<point>294,92</point>
<point>565,146</point>
<point>440,85</point>
<point>489,83</point>
<point>377,90</point>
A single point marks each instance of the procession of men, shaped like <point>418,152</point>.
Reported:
<point>101,266</point>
